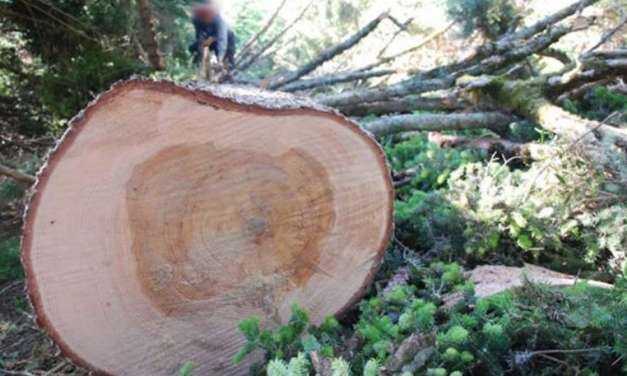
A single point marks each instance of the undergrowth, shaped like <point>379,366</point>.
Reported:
<point>10,265</point>
<point>535,329</point>
<point>562,212</point>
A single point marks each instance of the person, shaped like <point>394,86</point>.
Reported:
<point>209,23</point>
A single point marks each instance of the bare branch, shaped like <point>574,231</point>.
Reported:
<point>437,122</point>
<point>412,86</point>
<point>591,71</point>
<point>406,104</point>
<point>245,65</point>
<point>244,51</point>
<point>17,175</point>
<point>329,53</point>
<point>402,27</point>
<point>547,22</point>
<point>333,79</point>
<point>420,45</point>
<point>607,36</point>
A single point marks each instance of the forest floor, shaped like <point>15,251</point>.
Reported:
<point>25,349</point>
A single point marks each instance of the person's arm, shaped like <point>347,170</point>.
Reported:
<point>222,39</point>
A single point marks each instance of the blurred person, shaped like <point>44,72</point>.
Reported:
<point>209,23</point>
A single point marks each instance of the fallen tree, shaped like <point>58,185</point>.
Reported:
<point>156,230</point>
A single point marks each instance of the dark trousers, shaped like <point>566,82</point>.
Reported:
<point>229,57</point>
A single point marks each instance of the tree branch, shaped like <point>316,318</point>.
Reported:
<point>17,175</point>
<point>406,104</point>
<point>333,79</point>
<point>244,51</point>
<point>411,86</point>
<point>242,66</point>
<point>437,122</point>
<point>329,53</point>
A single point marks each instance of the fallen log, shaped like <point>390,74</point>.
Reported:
<point>168,214</point>
<point>490,280</point>
<point>387,125</point>
<point>406,104</point>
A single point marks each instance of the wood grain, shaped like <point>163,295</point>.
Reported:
<point>167,214</point>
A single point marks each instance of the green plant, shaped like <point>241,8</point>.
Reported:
<point>598,103</point>
<point>432,163</point>
<point>297,366</point>
<point>492,18</point>
<point>10,265</point>
<point>186,369</point>
<point>289,340</point>
<point>534,329</point>
<point>562,211</point>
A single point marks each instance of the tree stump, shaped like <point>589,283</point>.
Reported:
<point>167,214</point>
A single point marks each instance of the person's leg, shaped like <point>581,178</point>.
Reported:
<point>230,51</point>
<point>194,50</point>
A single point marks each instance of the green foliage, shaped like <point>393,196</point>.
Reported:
<point>371,368</point>
<point>289,340</point>
<point>339,367</point>
<point>433,163</point>
<point>598,103</point>
<point>492,18</point>
<point>10,190</point>
<point>550,213</point>
<point>186,369</point>
<point>10,265</point>
<point>581,326</point>
<point>297,366</point>
<point>91,72</point>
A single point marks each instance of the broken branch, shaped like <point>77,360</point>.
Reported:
<point>329,53</point>
<point>16,175</point>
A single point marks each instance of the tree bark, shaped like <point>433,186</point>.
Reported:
<point>151,44</point>
<point>437,122</point>
<point>409,87</point>
<point>406,104</point>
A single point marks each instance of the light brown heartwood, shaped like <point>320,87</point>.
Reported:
<point>167,214</point>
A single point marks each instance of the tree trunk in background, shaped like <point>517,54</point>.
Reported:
<point>149,35</point>
<point>168,214</point>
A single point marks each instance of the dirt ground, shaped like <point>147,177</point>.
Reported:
<point>24,349</point>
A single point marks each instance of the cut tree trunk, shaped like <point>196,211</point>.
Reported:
<point>168,214</point>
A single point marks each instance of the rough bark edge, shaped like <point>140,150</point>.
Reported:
<point>226,97</point>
